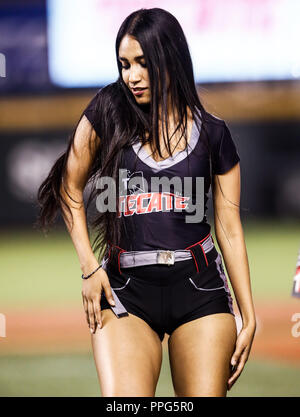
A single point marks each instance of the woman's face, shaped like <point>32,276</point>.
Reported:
<point>134,71</point>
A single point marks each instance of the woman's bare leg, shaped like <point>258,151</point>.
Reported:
<point>200,353</point>
<point>128,356</point>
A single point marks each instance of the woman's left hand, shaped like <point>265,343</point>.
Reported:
<point>241,353</point>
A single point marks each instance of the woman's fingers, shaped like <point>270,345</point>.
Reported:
<point>91,296</point>
<point>92,320</point>
<point>241,353</point>
<point>97,310</point>
<point>237,353</point>
<point>237,370</point>
<point>93,312</point>
<point>85,306</point>
<point>108,293</point>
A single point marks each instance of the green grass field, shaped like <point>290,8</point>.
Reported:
<point>41,271</point>
<point>38,271</point>
<point>75,375</point>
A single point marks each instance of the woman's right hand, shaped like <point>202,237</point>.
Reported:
<point>91,295</point>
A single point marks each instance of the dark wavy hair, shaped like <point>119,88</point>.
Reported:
<point>122,120</point>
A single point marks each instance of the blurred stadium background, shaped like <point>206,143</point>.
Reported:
<point>54,56</point>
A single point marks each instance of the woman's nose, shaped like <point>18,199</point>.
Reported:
<point>134,75</point>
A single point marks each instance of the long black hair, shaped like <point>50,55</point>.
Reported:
<point>122,120</point>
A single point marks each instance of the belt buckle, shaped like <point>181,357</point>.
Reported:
<point>166,257</point>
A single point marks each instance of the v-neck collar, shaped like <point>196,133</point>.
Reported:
<point>171,160</point>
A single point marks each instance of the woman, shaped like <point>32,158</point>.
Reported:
<point>161,272</point>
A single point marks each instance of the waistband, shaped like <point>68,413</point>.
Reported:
<point>202,252</point>
<point>129,259</point>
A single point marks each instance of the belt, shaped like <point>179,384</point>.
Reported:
<point>162,257</point>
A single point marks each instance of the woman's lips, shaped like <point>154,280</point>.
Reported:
<point>138,91</point>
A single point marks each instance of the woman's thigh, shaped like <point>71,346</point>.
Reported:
<point>200,353</point>
<point>128,356</point>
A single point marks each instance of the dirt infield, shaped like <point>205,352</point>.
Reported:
<point>52,331</point>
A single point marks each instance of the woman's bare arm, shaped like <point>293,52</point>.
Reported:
<point>78,165</point>
<point>86,144</point>
<point>230,238</point>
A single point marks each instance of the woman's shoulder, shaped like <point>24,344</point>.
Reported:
<point>104,107</point>
<point>224,151</point>
<point>212,119</point>
<point>106,93</point>
<point>214,126</point>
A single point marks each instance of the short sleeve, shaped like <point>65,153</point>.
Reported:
<point>225,154</point>
<point>92,113</point>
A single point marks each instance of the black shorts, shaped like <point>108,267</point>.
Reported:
<point>166,297</point>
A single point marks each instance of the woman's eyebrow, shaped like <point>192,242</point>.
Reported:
<point>136,58</point>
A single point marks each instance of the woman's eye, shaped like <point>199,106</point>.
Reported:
<point>143,65</point>
<point>125,67</point>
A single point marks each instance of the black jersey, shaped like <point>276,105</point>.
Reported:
<point>161,202</point>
